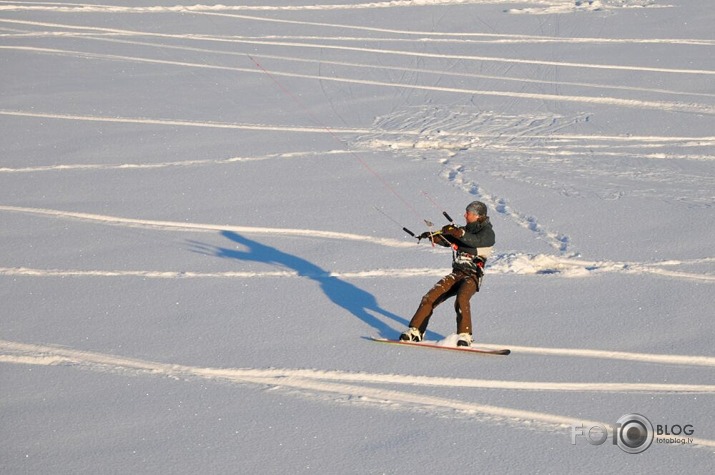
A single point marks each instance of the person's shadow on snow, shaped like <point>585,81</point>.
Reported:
<point>353,299</point>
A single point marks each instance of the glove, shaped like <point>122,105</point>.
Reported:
<point>424,235</point>
<point>453,231</point>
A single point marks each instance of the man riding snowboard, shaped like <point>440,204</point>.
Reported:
<point>471,245</point>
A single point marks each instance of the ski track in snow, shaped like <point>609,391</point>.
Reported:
<point>361,390</point>
<point>596,100</point>
<point>518,264</point>
<point>512,263</point>
<point>200,227</point>
<point>543,6</point>
<point>461,134</point>
<point>290,59</point>
<point>181,123</point>
<point>456,139</point>
<point>169,164</point>
<point>601,99</point>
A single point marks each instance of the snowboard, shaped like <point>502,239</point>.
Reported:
<point>429,344</point>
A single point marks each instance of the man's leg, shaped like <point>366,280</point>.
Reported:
<point>441,291</point>
<point>466,289</point>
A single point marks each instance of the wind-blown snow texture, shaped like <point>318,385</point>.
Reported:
<point>192,259</point>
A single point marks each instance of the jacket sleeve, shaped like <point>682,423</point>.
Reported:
<point>442,240</point>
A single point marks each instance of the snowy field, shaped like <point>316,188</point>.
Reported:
<point>201,211</point>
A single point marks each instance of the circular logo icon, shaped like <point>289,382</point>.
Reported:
<point>634,433</point>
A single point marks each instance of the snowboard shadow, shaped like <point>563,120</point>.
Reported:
<point>344,294</point>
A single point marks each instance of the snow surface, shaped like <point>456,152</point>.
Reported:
<point>198,217</point>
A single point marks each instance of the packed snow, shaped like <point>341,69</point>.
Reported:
<point>201,213</point>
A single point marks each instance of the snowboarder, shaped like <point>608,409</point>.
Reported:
<point>471,246</point>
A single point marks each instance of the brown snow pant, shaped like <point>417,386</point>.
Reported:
<point>460,284</point>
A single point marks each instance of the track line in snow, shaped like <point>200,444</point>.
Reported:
<point>372,67</point>
<point>178,163</point>
<point>527,264</point>
<point>458,39</point>
<point>98,8</point>
<point>381,51</point>
<point>148,274</point>
<point>428,36</point>
<point>602,100</point>
<point>504,264</point>
<point>546,152</point>
<point>462,135</point>
<point>326,383</point>
<point>633,140</point>
<point>614,101</point>
<point>182,123</point>
<point>199,227</point>
<point>589,150</point>
<point>685,360</point>
<point>432,35</point>
<point>407,35</point>
<point>462,57</point>
<point>571,6</point>
<point>547,6</point>
<point>481,59</point>
<point>16,352</point>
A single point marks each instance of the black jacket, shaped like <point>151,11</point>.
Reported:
<point>476,235</point>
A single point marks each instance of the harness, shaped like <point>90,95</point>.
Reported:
<point>470,264</point>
